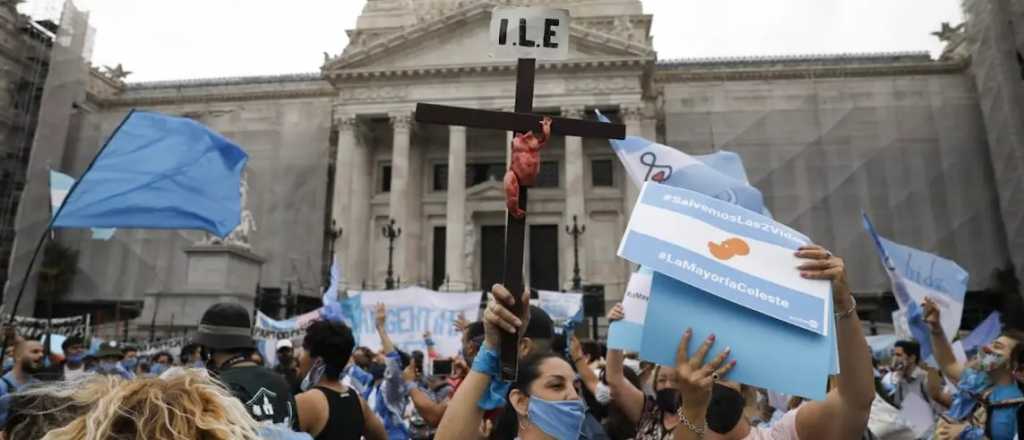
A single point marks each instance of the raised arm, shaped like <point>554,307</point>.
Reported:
<point>431,411</point>
<point>380,320</point>
<point>940,345</point>
<point>545,133</point>
<point>934,386</point>
<point>586,374</point>
<point>625,396</point>
<point>844,413</point>
<point>462,418</point>
<point>431,352</point>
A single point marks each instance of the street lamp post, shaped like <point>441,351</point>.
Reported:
<point>576,231</point>
<point>391,233</point>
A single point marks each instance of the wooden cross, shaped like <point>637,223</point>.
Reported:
<point>523,120</point>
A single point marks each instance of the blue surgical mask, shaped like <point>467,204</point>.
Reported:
<point>129,364</point>
<point>199,364</point>
<point>75,359</point>
<point>8,363</point>
<point>106,367</point>
<point>561,419</point>
<point>157,369</point>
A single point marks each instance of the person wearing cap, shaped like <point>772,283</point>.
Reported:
<point>110,356</point>
<point>226,333</point>
<point>286,365</point>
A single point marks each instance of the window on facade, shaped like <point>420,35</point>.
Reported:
<point>601,172</point>
<point>477,173</point>
<point>441,177</point>
<point>385,178</point>
<point>548,175</point>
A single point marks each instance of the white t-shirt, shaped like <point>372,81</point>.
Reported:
<point>784,429</point>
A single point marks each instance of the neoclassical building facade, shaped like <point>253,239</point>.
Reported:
<point>900,135</point>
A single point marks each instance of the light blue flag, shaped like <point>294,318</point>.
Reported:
<point>720,175</point>
<point>160,172</point>
<point>564,308</point>
<point>60,184</point>
<point>986,332</point>
<point>915,275</point>
<point>337,309</point>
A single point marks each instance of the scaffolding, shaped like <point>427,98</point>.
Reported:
<point>53,88</point>
<point>26,87</point>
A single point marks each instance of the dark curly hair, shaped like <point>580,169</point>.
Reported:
<point>331,341</point>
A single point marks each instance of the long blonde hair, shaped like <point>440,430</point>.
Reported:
<point>182,404</point>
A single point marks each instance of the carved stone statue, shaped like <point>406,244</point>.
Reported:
<point>239,236</point>
<point>954,37</point>
<point>116,73</point>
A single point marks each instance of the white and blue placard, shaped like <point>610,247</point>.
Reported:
<point>728,251</point>
<point>627,334</point>
<point>762,347</point>
<point>540,33</point>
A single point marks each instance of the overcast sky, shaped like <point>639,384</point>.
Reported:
<point>177,39</point>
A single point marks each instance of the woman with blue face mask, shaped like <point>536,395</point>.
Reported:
<point>543,398</point>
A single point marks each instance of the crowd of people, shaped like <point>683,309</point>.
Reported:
<point>325,386</point>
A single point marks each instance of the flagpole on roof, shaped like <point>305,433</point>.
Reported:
<point>49,226</point>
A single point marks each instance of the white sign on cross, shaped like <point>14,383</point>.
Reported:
<point>539,33</point>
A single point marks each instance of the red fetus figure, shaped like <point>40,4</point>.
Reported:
<point>525,165</point>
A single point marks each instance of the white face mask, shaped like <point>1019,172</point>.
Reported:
<point>603,394</point>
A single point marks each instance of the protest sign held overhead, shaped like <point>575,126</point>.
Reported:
<point>627,334</point>
<point>727,251</point>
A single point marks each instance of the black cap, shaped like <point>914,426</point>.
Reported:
<point>110,349</point>
<point>540,326</point>
<point>225,326</point>
<point>71,340</point>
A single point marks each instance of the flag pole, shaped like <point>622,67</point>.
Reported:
<point>49,226</point>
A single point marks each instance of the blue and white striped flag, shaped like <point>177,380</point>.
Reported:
<point>916,274</point>
<point>60,184</point>
<point>719,175</point>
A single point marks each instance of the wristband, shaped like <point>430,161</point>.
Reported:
<point>488,364</point>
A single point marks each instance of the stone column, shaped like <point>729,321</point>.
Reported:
<point>358,227</point>
<point>400,202</point>
<point>632,117</point>
<point>454,262</point>
<point>574,197</point>
<point>343,189</point>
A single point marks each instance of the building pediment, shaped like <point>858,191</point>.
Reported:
<point>461,37</point>
<point>489,190</point>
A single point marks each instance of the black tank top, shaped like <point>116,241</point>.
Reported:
<point>344,416</point>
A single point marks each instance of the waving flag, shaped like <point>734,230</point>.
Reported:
<point>719,175</point>
<point>986,332</point>
<point>159,172</point>
<point>915,275</point>
<point>60,184</point>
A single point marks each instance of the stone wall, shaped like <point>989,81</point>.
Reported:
<point>288,145</point>
<point>910,150</point>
